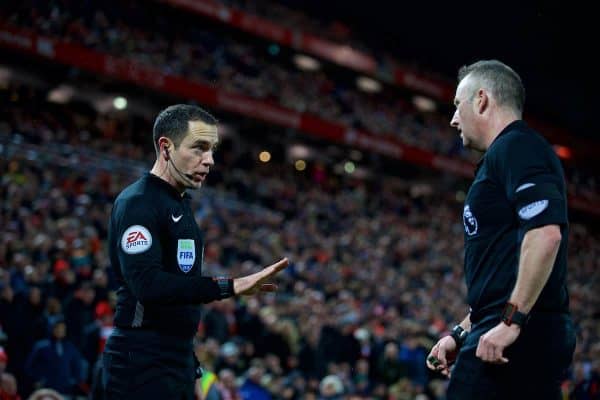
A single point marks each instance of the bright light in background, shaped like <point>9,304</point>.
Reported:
<point>424,104</point>
<point>306,63</point>
<point>61,94</point>
<point>368,85</point>
<point>299,151</point>
<point>300,165</point>
<point>120,103</point>
<point>563,151</point>
<point>349,167</point>
<point>264,156</point>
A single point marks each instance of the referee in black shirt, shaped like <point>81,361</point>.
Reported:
<point>156,250</point>
<point>518,339</point>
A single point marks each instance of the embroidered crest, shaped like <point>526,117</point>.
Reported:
<point>136,239</point>
<point>469,221</point>
<point>533,209</point>
<point>186,254</point>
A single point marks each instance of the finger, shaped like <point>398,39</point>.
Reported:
<point>281,264</point>
<point>268,287</point>
<point>480,348</point>
<point>492,353</point>
<point>274,268</point>
<point>442,356</point>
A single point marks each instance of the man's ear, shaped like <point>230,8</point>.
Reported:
<point>482,101</point>
<point>164,146</point>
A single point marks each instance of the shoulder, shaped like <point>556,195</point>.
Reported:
<point>520,140</point>
<point>139,196</point>
<point>137,205</point>
<point>41,345</point>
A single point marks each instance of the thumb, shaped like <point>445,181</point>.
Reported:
<point>268,287</point>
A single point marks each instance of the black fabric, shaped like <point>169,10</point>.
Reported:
<point>160,282</point>
<point>519,185</point>
<point>538,362</point>
<point>141,364</point>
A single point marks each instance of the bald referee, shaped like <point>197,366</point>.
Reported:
<point>156,251</point>
<point>518,339</point>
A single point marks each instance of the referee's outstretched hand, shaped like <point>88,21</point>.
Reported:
<point>257,282</point>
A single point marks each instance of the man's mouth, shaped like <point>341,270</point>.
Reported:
<point>200,176</point>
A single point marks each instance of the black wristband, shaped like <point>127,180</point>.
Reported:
<point>459,335</point>
<point>512,315</point>
<point>225,287</point>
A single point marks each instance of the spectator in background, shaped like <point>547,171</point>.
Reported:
<point>226,385</point>
<point>45,394</point>
<point>8,387</point>
<point>56,363</point>
<point>252,388</point>
<point>79,312</point>
<point>331,388</point>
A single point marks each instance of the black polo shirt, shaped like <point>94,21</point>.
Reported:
<point>156,250</point>
<point>519,185</point>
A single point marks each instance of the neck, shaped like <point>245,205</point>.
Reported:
<point>497,124</point>
<point>161,170</point>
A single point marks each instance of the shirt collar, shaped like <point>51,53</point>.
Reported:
<point>518,124</point>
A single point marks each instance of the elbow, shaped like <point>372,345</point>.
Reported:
<point>552,236</point>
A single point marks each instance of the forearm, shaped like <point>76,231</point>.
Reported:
<point>538,254</point>
<point>151,285</point>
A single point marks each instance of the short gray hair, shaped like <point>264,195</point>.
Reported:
<point>500,79</point>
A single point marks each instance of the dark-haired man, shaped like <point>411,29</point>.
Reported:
<point>156,251</point>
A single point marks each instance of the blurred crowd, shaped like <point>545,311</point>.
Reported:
<point>176,43</point>
<point>375,279</point>
<point>148,34</point>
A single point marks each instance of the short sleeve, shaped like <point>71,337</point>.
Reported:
<point>533,182</point>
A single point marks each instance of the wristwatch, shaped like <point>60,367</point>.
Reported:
<point>512,315</point>
<point>225,287</point>
<point>459,335</point>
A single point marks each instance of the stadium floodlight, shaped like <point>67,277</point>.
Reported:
<point>368,85</point>
<point>120,103</point>
<point>306,63</point>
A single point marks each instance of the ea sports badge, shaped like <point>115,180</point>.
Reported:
<point>186,254</point>
<point>136,239</point>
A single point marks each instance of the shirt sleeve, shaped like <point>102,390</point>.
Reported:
<point>140,257</point>
<point>532,180</point>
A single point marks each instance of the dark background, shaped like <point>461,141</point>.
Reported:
<point>550,44</point>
